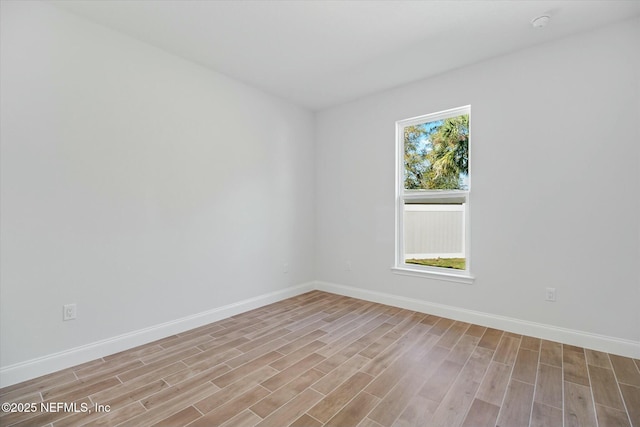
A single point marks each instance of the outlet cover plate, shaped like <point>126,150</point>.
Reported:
<point>69,312</point>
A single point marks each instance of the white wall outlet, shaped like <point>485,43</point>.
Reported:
<point>285,267</point>
<point>347,265</point>
<point>68,312</point>
<point>550,294</point>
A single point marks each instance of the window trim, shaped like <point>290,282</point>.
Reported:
<point>433,196</point>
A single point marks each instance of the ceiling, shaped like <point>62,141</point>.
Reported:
<point>321,53</point>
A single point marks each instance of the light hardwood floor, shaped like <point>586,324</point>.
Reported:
<point>323,359</point>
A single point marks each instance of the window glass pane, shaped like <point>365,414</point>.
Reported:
<point>434,235</point>
<point>436,155</point>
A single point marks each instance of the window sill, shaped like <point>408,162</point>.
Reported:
<point>449,277</point>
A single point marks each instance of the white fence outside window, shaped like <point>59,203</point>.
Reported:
<point>434,231</point>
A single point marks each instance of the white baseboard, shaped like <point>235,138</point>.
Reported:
<point>549,332</point>
<point>29,369</point>
<point>33,368</point>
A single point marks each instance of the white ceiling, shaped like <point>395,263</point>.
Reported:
<point>323,53</point>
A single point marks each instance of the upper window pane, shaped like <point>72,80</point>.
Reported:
<point>436,154</point>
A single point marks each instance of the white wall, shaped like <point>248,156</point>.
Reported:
<point>555,185</point>
<point>139,186</point>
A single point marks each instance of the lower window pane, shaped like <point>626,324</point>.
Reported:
<point>434,235</point>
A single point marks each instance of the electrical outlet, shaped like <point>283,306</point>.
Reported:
<point>550,294</point>
<point>68,312</point>
<point>347,265</point>
<point>285,267</point>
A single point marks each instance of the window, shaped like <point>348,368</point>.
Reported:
<point>432,195</point>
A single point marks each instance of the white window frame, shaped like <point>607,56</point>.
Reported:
<point>429,196</point>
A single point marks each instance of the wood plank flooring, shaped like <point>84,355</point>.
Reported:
<point>326,360</point>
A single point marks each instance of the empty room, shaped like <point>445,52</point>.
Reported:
<point>319,213</point>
